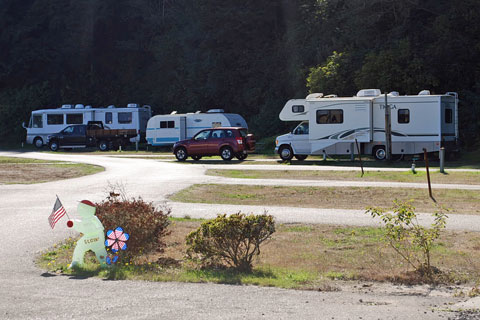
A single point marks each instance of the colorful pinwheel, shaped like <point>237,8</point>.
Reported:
<point>116,239</point>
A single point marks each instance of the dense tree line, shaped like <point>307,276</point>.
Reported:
<point>247,57</point>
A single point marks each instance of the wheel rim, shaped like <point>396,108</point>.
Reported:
<point>181,154</point>
<point>54,146</point>
<point>285,153</point>
<point>38,143</point>
<point>380,154</point>
<point>226,153</point>
<point>103,146</point>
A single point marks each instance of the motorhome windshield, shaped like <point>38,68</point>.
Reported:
<point>35,121</point>
<point>302,128</point>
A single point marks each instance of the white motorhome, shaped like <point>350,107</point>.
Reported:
<point>166,129</point>
<point>45,122</point>
<point>331,124</point>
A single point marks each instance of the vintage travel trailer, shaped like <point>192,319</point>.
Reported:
<point>165,130</point>
<point>330,124</point>
<point>45,122</point>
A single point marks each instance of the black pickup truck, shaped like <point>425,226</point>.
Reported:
<point>92,134</point>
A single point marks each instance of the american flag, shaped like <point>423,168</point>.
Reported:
<point>57,213</point>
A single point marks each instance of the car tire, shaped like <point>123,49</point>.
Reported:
<point>38,142</point>
<point>286,153</point>
<point>53,145</point>
<point>226,153</point>
<point>242,156</point>
<point>181,154</point>
<point>196,158</point>
<point>300,157</point>
<point>103,145</point>
<point>379,153</point>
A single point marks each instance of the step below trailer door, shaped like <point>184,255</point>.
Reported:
<point>183,128</point>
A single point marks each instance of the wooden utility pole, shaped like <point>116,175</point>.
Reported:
<point>359,156</point>
<point>388,129</point>
<point>425,157</point>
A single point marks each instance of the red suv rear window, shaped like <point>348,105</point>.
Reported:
<point>243,133</point>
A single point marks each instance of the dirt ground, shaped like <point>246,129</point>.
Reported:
<point>26,173</point>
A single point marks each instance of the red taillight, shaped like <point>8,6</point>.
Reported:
<point>239,140</point>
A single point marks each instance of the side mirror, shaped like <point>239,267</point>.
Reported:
<point>23,125</point>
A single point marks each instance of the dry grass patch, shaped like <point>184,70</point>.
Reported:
<point>407,176</point>
<point>300,256</point>
<point>26,171</point>
<point>459,201</point>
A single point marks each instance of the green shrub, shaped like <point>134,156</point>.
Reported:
<point>407,237</point>
<point>146,225</point>
<point>232,241</point>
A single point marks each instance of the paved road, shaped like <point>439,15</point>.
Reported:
<point>28,293</point>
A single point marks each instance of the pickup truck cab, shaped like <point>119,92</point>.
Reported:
<point>92,134</point>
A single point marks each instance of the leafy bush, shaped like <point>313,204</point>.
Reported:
<point>146,225</point>
<point>407,237</point>
<point>231,241</point>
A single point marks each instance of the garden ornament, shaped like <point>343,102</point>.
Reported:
<point>93,237</point>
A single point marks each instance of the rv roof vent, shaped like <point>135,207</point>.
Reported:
<point>67,106</point>
<point>79,106</point>
<point>216,111</point>
<point>88,107</point>
<point>132,105</point>
<point>314,95</point>
<point>173,112</point>
<point>197,112</point>
<point>369,93</point>
<point>331,96</point>
<point>424,93</point>
<point>111,106</point>
<point>394,94</point>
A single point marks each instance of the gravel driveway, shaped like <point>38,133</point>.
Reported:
<point>26,292</point>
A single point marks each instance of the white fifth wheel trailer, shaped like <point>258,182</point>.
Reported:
<point>331,124</point>
<point>45,122</point>
<point>166,129</point>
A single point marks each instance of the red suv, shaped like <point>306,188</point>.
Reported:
<point>225,142</point>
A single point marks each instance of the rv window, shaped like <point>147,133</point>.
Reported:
<point>75,118</point>
<point>54,118</point>
<point>108,118</point>
<point>403,116</point>
<point>37,121</point>
<point>124,117</point>
<point>330,116</point>
<point>163,124</point>
<point>216,124</point>
<point>298,109</point>
<point>448,116</point>
<point>171,124</point>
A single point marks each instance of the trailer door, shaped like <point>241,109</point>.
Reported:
<point>183,128</point>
